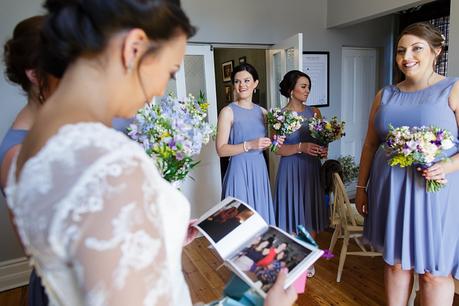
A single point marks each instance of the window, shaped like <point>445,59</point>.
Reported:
<point>442,23</point>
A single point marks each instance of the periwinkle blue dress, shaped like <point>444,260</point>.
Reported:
<point>36,291</point>
<point>247,175</point>
<point>412,227</point>
<point>299,198</point>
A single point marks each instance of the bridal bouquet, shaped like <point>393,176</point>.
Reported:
<point>283,123</point>
<point>417,146</point>
<point>326,131</point>
<point>173,131</point>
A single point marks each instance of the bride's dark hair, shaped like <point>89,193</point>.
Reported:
<point>76,27</point>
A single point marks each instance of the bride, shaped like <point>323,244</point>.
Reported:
<point>102,227</point>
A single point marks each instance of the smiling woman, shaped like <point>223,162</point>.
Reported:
<point>241,135</point>
<point>397,201</point>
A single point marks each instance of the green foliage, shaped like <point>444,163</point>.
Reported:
<point>350,168</point>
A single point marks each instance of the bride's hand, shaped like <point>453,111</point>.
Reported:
<point>192,232</point>
<point>277,295</point>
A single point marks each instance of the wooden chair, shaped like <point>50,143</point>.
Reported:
<point>344,219</point>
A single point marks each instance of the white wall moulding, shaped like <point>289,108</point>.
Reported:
<point>14,273</point>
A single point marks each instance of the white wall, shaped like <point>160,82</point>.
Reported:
<point>346,12</point>
<point>453,52</point>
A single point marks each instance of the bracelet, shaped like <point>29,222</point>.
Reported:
<point>245,147</point>
<point>299,148</point>
<point>363,187</point>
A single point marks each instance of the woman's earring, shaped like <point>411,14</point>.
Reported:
<point>41,98</point>
<point>255,90</point>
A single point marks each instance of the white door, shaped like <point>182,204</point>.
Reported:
<point>358,89</point>
<point>203,186</point>
<point>282,57</point>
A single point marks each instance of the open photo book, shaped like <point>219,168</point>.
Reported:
<point>251,248</point>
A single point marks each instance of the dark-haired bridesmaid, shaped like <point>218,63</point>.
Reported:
<point>299,199</point>
<point>242,135</point>
<point>22,67</point>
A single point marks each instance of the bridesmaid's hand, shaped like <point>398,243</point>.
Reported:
<point>259,144</point>
<point>280,140</point>
<point>311,148</point>
<point>324,152</point>
<point>436,172</point>
<point>361,201</point>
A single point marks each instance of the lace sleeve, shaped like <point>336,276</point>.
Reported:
<point>119,254</point>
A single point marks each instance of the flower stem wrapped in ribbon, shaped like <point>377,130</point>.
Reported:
<point>283,123</point>
<point>418,147</point>
<point>326,131</point>
<point>173,131</point>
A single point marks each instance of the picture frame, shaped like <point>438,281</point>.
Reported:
<point>242,60</point>
<point>228,93</point>
<point>316,64</point>
<point>227,69</point>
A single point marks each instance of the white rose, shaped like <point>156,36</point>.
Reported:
<point>447,144</point>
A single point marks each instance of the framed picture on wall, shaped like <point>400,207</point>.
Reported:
<point>316,65</point>
<point>227,69</point>
<point>228,94</point>
<point>242,60</point>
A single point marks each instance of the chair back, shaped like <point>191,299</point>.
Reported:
<point>341,204</point>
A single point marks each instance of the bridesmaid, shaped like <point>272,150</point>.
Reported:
<point>242,135</point>
<point>299,198</point>
<point>416,230</point>
<point>21,57</point>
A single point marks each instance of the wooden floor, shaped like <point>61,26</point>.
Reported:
<point>361,282</point>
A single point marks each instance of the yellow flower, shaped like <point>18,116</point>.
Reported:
<point>164,135</point>
<point>401,160</point>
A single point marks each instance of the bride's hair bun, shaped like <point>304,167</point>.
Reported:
<point>75,27</point>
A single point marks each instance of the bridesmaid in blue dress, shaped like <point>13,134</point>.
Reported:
<point>416,230</point>
<point>21,59</point>
<point>299,198</point>
<point>242,136</point>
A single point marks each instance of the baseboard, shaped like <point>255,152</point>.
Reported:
<point>14,273</point>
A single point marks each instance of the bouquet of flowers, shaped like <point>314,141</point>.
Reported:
<point>417,146</point>
<point>283,123</point>
<point>173,131</point>
<point>326,131</point>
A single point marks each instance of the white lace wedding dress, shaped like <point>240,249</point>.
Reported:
<point>100,224</point>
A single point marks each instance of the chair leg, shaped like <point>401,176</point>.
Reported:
<point>335,236</point>
<point>342,256</point>
<point>360,244</point>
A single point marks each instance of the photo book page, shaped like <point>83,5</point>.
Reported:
<point>255,251</point>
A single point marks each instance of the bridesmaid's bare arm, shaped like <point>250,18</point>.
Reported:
<point>366,158</point>
<point>439,170</point>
